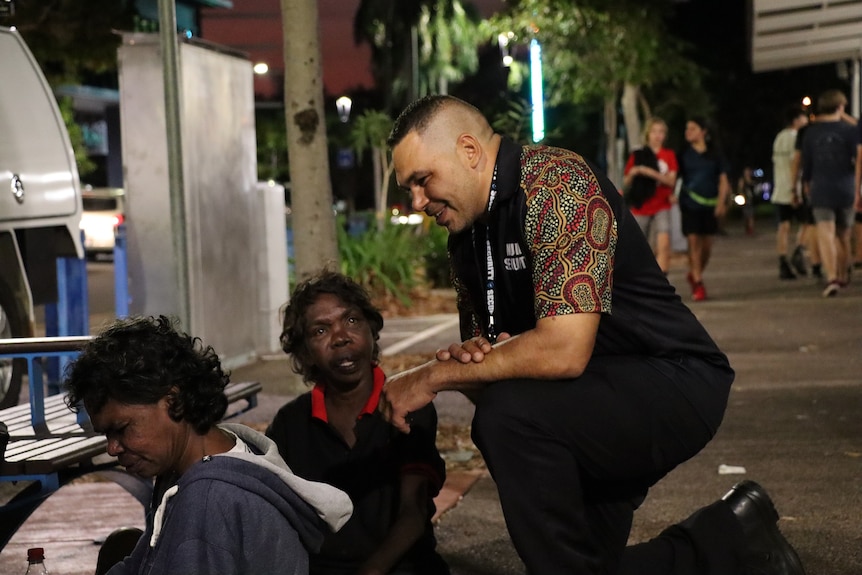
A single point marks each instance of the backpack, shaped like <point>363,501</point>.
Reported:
<point>642,188</point>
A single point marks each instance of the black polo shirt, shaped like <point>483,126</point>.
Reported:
<point>370,473</point>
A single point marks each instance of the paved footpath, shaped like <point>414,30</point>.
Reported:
<point>793,423</point>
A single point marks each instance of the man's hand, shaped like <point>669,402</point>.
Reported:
<point>404,393</point>
<point>472,350</point>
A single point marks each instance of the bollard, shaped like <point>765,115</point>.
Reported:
<point>121,273</point>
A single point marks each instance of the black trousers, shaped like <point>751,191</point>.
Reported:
<point>573,459</point>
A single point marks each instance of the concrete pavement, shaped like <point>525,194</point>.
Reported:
<point>793,422</point>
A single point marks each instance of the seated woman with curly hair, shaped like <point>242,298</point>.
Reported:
<point>225,501</point>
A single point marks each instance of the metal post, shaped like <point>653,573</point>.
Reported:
<point>121,273</point>
<point>69,315</point>
<point>854,98</point>
<point>170,59</point>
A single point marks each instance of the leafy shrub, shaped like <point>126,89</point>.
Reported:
<point>436,257</point>
<point>397,260</point>
<point>391,260</point>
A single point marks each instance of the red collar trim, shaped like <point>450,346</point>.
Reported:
<point>318,397</point>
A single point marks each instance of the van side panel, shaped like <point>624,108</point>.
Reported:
<point>38,177</point>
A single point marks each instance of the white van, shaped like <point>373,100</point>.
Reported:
<point>40,198</point>
<point>104,210</point>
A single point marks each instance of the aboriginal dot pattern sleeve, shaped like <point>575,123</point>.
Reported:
<point>571,231</point>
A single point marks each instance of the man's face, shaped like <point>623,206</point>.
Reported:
<point>439,182</point>
<point>144,438</point>
<point>339,342</point>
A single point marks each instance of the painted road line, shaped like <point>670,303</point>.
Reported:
<point>405,343</point>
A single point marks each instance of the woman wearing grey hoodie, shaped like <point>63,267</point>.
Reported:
<point>224,502</point>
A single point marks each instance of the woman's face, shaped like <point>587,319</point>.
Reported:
<point>144,438</point>
<point>656,135</point>
<point>694,133</point>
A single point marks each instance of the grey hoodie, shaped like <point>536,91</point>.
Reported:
<point>238,513</point>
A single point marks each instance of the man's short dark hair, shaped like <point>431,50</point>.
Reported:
<point>416,116</point>
<point>295,329</point>
<point>139,361</point>
<point>829,101</point>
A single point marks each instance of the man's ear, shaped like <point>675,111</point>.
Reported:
<point>469,149</point>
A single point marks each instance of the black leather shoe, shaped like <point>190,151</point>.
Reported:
<point>768,551</point>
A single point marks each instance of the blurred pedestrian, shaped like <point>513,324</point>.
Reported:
<point>828,155</point>
<point>806,241</point>
<point>748,190</point>
<point>600,381</point>
<point>652,212</point>
<point>703,199</point>
<point>786,195</point>
<point>224,501</point>
<point>335,434</point>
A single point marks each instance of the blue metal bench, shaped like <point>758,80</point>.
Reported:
<point>51,445</point>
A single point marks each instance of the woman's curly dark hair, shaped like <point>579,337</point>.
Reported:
<point>139,361</point>
<point>294,333</point>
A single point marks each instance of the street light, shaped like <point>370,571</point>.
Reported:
<point>343,105</point>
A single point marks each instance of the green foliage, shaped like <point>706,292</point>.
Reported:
<point>384,261</point>
<point>76,138</point>
<point>370,130</point>
<point>396,260</point>
<point>448,37</point>
<point>72,39</point>
<point>437,270</point>
<point>272,160</point>
<point>590,48</point>
<point>514,121</point>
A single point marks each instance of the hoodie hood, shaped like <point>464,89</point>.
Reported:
<point>310,507</point>
<point>331,504</point>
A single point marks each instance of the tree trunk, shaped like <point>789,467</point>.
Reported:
<point>315,243</point>
<point>631,117</point>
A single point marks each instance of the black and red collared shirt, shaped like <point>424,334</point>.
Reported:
<point>370,472</point>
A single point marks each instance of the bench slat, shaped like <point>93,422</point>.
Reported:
<point>56,456</point>
<point>67,443</point>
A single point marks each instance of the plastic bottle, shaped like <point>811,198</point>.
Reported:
<point>36,562</point>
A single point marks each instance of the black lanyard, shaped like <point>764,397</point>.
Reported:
<point>490,277</point>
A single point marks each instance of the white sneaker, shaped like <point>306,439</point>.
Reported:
<point>831,289</point>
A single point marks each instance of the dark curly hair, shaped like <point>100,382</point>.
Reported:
<point>140,360</point>
<point>293,336</point>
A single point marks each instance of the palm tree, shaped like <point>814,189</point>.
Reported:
<point>370,131</point>
<point>417,46</point>
<point>448,34</point>
<point>387,25</point>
